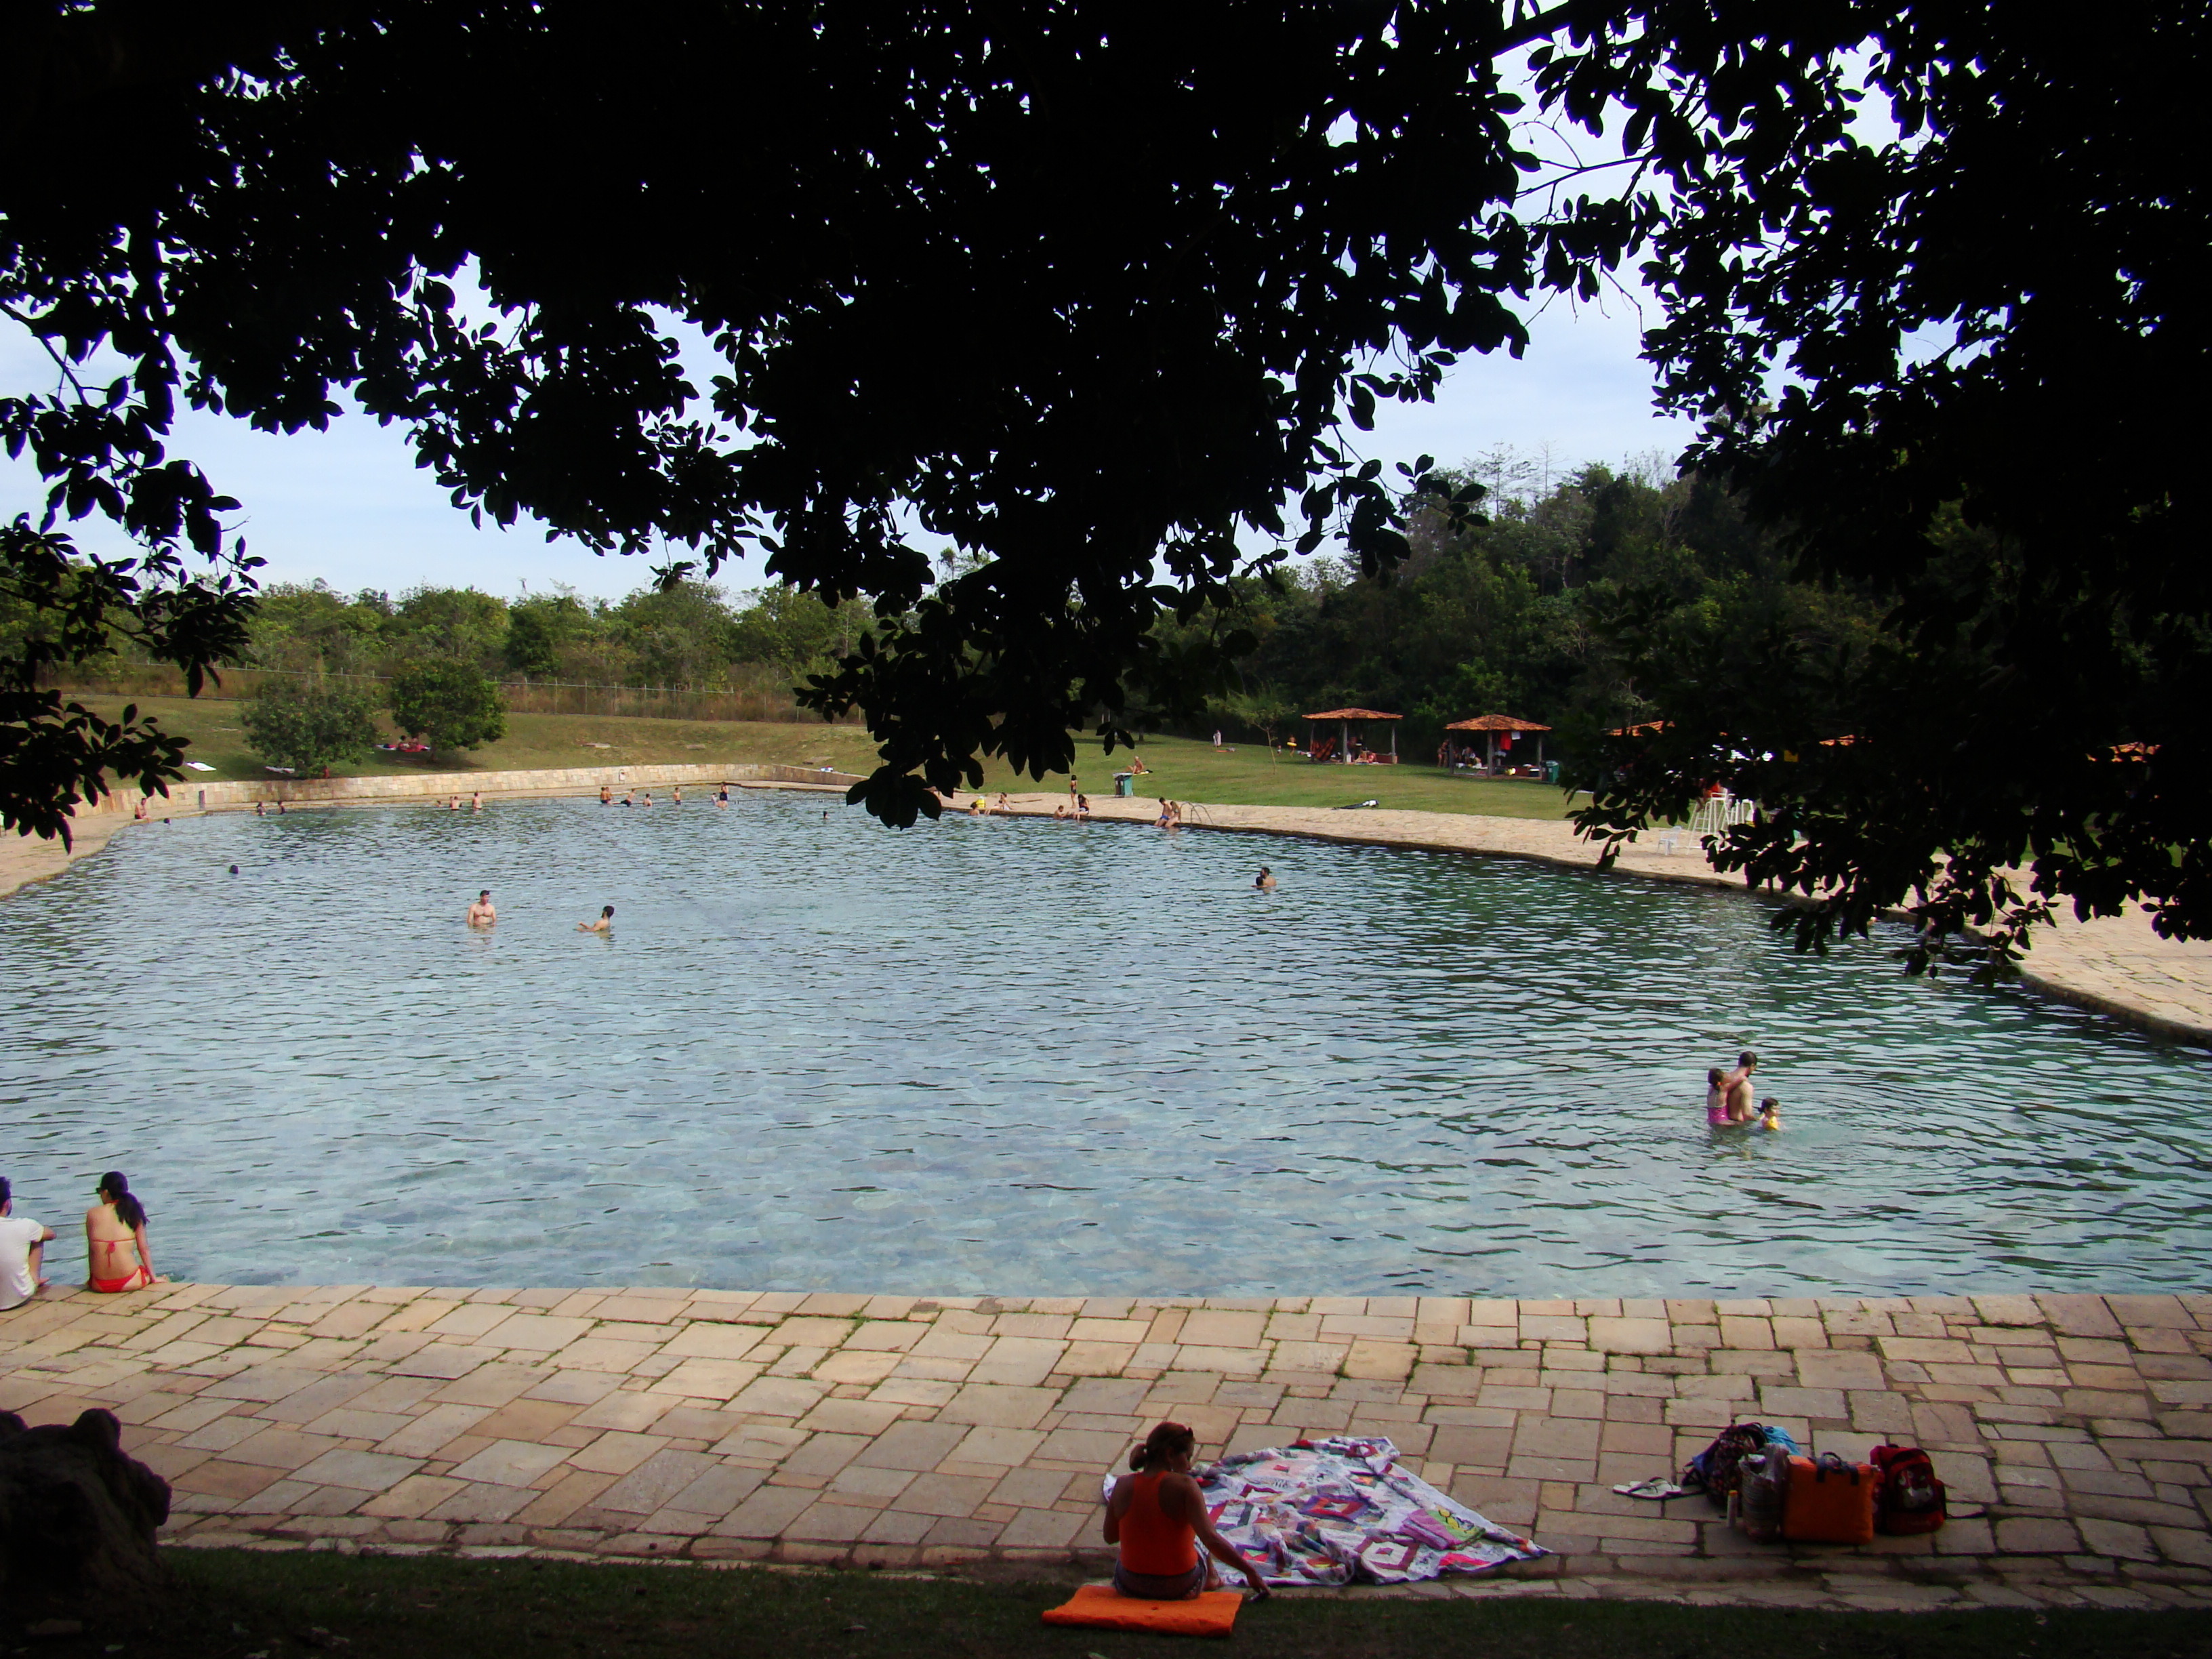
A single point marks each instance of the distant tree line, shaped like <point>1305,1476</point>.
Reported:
<point>687,635</point>
<point>1515,614</point>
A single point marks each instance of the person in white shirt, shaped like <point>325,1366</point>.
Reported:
<point>22,1252</point>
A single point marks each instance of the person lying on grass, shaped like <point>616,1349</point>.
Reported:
<point>1157,1517</point>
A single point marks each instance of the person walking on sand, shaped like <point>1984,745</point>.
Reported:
<point>481,914</point>
<point>22,1252</point>
<point>115,1240</point>
<point>606,924</point>
<point>1155,1518</point>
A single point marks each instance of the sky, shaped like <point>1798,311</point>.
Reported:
<point>349,507</point>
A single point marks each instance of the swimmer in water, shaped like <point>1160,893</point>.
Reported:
<point>1266,880</point>
<point>722,796</point>
<point>1716,1099</point>
<point>481,914</point>
<point>1770,1114</point>
<point>475,801</point>
<point>676,795</point>
<point>606,924</point>
<point>607,796</point>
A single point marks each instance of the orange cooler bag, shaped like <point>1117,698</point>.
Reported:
<point>1830,1502</point>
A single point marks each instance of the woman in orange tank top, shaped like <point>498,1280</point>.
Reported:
<point>1158,1515</point>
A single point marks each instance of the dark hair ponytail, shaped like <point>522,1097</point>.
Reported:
<point>128,1210</point>
<point>1164,1445</point>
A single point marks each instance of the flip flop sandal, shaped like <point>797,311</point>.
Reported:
<point>1656,1488</point>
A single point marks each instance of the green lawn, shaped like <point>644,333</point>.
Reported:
<point>1181,767</point>
<point>235,1603</point>
<point>1248,775</point>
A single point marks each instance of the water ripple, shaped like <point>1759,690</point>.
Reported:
<point>1025,1057</point>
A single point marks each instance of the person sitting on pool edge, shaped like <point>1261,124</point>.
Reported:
<point>1156,1517</point>
<point>606,924</point>
<point>115,1240</point>
<point>22,1252</point>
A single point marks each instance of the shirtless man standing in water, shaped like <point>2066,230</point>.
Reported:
<point>606,924</point>
<point>1735,1088</point>
<point>481,914</point>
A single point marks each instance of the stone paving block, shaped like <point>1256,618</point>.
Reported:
<point>897,1527</point>
<point>485,1501</point>
<point>779,1396</point>
<point>913,1445</point>
<point>369,1471</point>
<point>948,1495</point>
<point>717,1492</point>
<point>2036,1535</point>
<point>651,1485</point>
<point>509,1463</point>
<point>822,1456</point>
<point>999,1406</point>
<point>708,1339</point>
<point>863,1417</point>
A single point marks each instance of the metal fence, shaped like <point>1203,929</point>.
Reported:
<point>769,699</point>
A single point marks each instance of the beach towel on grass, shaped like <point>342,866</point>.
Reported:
<point>1213,1614</point>
<point>1340,1512</point>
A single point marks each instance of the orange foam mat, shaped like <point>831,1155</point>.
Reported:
<point>1213,1614</point>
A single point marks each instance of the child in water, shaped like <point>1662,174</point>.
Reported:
<point>1717,1115</point>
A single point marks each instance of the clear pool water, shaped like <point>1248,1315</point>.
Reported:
<point>1034,1058</point>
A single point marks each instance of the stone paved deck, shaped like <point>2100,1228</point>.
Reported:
<point>715,1426</point>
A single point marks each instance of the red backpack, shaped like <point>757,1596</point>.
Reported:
<point>1910,1498</point>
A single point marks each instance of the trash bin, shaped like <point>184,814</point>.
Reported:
<point>1125,783</point>
<point>1551,771</point>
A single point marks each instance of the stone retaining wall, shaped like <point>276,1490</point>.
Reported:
<point>188,796</point>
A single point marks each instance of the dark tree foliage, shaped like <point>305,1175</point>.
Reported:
<point>1085,288</point>
<point>2023,493</point>
<point>54,751</point>
<point>310,727</point>
<point>451,705</point>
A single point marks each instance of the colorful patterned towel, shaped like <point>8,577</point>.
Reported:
<point>1339,1510</point>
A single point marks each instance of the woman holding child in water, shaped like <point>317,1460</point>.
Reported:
<point>115,1239</point>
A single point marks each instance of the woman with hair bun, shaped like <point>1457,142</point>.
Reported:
<point>115,1238</point>
<point>1157,1517</point>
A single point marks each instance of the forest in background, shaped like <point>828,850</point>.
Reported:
<point>1510,615</point>
<point>1515,615</point>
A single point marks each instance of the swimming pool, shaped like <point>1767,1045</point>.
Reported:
<point>1031,1058</point>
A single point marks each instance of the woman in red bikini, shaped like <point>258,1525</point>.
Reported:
<point>115,1237</point>
<point>1158,1515</point>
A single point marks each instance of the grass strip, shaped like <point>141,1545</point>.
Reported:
<point>235,1604</point>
